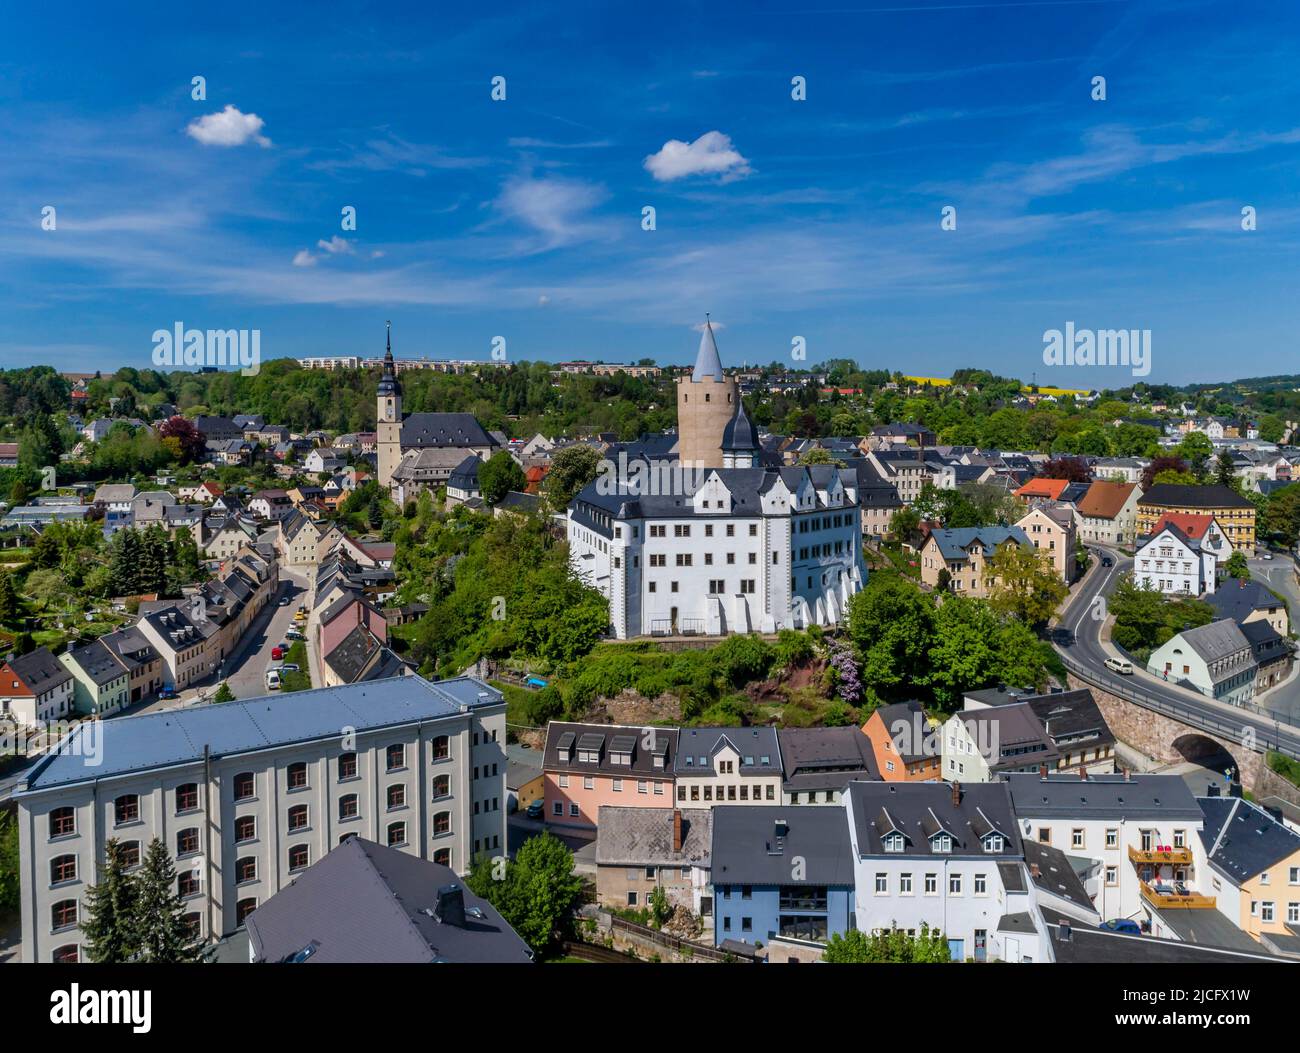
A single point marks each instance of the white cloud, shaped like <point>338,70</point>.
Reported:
<point>556,208</point>
<point>710,154</point>
<point>336,246</point>
<point>230,127</point>
<point>543,300</point>
<point>304,259</point>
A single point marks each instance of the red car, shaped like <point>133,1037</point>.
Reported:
<point>277,653</point>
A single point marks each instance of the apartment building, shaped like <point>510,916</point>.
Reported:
<point>1141,833</point>
<point>819,763</point>
<point>247,795</point>
<point>1052,531</point>
<point>100,681</point>
<point>965,554</point>
<point>1254,867</point>
<point>1234,512</point>
<point>727,765</point>
<point>35,688</point>
<point>905,743</point>
<point>641,849</point>
<point>587,766</point>
<point>1108,513</point>
<point>1181,555</point>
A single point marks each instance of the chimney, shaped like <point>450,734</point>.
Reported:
<point>677,829</point>
<point>451,906</point>
<point>1064,932</point>
<point>1083,773</point>
<point>956,794</point>
<point>1212,790</point>
<point>1042,771</point>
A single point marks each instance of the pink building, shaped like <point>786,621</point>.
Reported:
<point>589,765</point>
<point>344,615</point>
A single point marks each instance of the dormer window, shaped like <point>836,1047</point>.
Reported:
<point>993,843</point>
<point>893,842</point>
<point>941,843</point>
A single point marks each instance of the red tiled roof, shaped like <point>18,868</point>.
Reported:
<point>1104,499</point>
<point>1192,525</point>
<point>1051,488</point>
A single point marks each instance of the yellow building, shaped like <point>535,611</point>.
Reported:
<point>1254,871</point>
<point>1235,513</point>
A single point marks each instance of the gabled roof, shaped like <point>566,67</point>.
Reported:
<point>630,836</point>
<point>758,747</point>
<point>1242,840</point>
<point>1050,488</point>
<point>1191,526</point>
<point>956,544</point>
<point>1102,796</point>
<point>1217,640</point>
<point>1239,599</point>
<point>758,844</point>
<point>444,429</point>
<point>363,902</point>
<point>39,670</point>
<point>921,810</point>
<point>98,663</point>
<point>1178,495</point>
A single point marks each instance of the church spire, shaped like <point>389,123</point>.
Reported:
<point>388,384</point>
<point>708,364</point>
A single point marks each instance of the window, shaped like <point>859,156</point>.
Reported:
<point>245,869</point>
<point>245,828</point>
<point>981,884</point>
<point>931,884</point>
<point>396,834</point>
<point>66,955</point>
<point>63,822</point>
<point>1076,838</point>
<point>187,884</point>
<point>187,841</point>
<point>1112,875</point>
<point>130,854</point>
<point>348,806</point>
<point>126,809</point>
<point>1180,838</point>
<point>397,796</point>
<point>298,858</point>
<point>882,884</point>
<point>1112,838</point>
<point>243,909</point>
<point>441,786</point>
<point>1045,835</point>
<point>347,766</point>
<point>441,747</point>
<point>442,857</point>
<point>244,786</point>
<point>187,797</point>
<point>442,823</point>
<point>1266,911</point>
<point>954,884</point>
<point>396,757</point>
<point>905,884</point>
<point>193,923</point>
<point>297,776</point>
<point>63,868</point>
<point>297,818</point>
<point>63,915</point>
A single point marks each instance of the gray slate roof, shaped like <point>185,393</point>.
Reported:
<point>1217,640</point>
<point>750,848</point>
<point>825,758</point>
<point>363,902</point>
<point>1102,796</point>
<point>759,749</point>
<point>644,837</point>
<point>1241,839</point>
<point>954,545</point>
<point>444,429</point>
<point>919,810</point>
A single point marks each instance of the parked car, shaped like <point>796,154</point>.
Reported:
<point>294,634</point>
<point>1125,925</point>
<point>536,810</point>
<point>1106,561</point>
<point>284,601</point>
<point>1120,665</point>
<point>168,692</point>
<point>277,653</point>
<point>273,680</point>
<point>289,667</point>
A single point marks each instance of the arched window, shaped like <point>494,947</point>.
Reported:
<point>442,857</point>
<point>187,841</point>
<point>298,817</point>
<point>245,869</point>
<point>396,834</point>
<point>442,823</point>
<point>441,786</point>
<point>441,747</point>
<point>187,797</point>
<point>348,766</point>
<point>396,756</point>
<point>298,858</point>
<point>63,915</point>
<point>245,786</point>
<point>396,795</point>
<point>126,809</point>
<point>130,854</point>
<point>193,922</point>
<point>245,828</point>
<point>63,868</point>
<point>243,909</point>
<point>297,775</point>
<point>68,954</point>
<point>63,822</point>
<point>348,806</point>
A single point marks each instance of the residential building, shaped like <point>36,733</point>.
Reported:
<point>1039,490</point>
<point>462,483</point>
<point>1274,654</point>
<point>591,765</point>
<point>181,644</point>
<point>1140,833</point>
<point>1215,659</point>
<point>1254,867</point>
<point>1051,529</point>
<point>641,849</point>
<point>732,765</point>
<point>819,763</point>
<point>35,688</point>
<point>100,682</point>
<point>906,744</point>
<point>248,794</point>
<point>1181,555</point>
<point>965,554</point>
<point>1072,723</point>
<point>781,873</point>
<point>143,664</point>
<point>1234,512</point>
<point>525,780</point>
<point>1108,513</point>
<point>947,858</point>
<point>979,745</point>
<point>271,504</point>
<point>1250,601</point>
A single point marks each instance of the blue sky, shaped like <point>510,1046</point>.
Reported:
<point>522,218</point>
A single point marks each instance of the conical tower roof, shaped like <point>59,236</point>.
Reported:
<point>708,364</point>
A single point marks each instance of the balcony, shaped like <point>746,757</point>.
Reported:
<point>1175,894</point>
<point>1156,856</point>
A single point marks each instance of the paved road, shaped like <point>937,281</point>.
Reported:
<point>247,677</point>
<point>1078,640</point>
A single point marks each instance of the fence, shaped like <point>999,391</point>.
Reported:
<point>674,943</point>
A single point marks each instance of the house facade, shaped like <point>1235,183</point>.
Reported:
<point>588,766</point>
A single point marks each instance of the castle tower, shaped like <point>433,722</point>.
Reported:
<point>388,427</point>
<point>740,446</point>
<point>706,402</point>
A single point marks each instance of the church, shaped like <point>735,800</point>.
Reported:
<point>731,546</point>
<point>420,451</point>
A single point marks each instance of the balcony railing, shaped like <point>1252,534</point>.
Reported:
<point>1156,856</point>
<point>1175,894</point>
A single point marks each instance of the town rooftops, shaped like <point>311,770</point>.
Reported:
<point>1240,599</point>
<point>444,429</point>
<point>98,662</point>
<point>758,748</point>
<point>972,815</point>
<point>613,748</point>
<point>363,902</point>
<point>1085,944</point>
<point>955,545</point>
<point>1215,641</point>
<point>1020,737</point>
<point>907,725</point>
<point>1050,870</point>
<point>1102,796</point>
<point>1177,495</point>
<point>1048,488</point>
<point>825,758</point>
<point>646,836</point>
<point>758,845</point>
<point>39,671</point>
<point>1241,839</point>
<point>1105,500</point>
<point>1190,525</point>
<point>128,745</point>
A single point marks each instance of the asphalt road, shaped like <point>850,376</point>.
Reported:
<point>247,679</point>
<point>1078,640</point>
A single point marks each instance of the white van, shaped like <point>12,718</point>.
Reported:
<point>273,680</point>
<point>1120,665</point>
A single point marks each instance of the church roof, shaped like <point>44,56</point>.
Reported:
<point>708,364</point>
<point>444,429</point>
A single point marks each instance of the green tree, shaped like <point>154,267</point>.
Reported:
<point>891,622</point>
<point>660,911</point>
<point>223,693</point>
<point>1237,567</point>
<point>571,469</point>
<point>162,933</point>
<point>10,864</point>
<point>109,924</point>
<point>535,892</point>
<point>10,605</point>
<point>817,455</point>
<point>890,946</point>
<point>1024,584</point>
<point>498,476</point>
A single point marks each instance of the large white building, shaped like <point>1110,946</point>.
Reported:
<point>680,547</point>
<point>1181,554</point>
